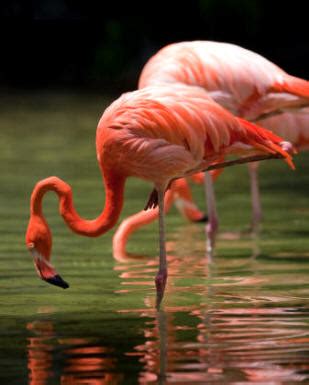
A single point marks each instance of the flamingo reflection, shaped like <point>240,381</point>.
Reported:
<point>40,352</point>
<point>80,362</point>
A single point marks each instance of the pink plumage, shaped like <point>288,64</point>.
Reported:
<point>240,80</point>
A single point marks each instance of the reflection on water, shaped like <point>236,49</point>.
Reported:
<point>40,353</point>
<point>241,321</point>
<point>67,361</point>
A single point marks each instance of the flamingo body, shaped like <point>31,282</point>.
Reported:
<point>244,82</point>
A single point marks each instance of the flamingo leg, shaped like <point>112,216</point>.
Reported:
<point>161,276</point>
<point>213,221</point>
<point>255,198</point>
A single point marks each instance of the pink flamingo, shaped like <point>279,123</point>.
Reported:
<point>245,83</point>
<point>158,134</point>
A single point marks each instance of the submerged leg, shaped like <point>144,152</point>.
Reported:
<point>213,222</point>
<point>162,273</point>
<point>255,197</point>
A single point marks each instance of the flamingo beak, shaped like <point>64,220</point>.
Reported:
<point>202,219</point>
<point>46,271</point>
<point>57,281</point>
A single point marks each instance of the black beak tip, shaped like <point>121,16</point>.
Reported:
<point>57,281</point>
<point>203,219</point>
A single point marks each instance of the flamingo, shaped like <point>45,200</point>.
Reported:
<point>158,134</point>
<point>244,82</point>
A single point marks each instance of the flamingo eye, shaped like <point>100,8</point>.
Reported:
<point>31,246</point>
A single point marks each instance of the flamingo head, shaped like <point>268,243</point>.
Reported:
<point>39,243</point>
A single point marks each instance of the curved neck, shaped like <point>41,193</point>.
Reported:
<point>136,221</point>
<point>129,226</point>
<point>114,190</point>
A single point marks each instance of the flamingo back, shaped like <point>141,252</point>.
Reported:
<point>166,132</point>
<point>242,81</point>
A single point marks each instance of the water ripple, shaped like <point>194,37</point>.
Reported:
<point>241,328</point>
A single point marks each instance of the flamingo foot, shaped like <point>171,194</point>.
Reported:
<point>153,200</point>
<point>160,281</point>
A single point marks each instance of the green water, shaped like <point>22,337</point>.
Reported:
<point>241,319</point>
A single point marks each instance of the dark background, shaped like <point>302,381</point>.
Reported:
<point>103,45</point>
